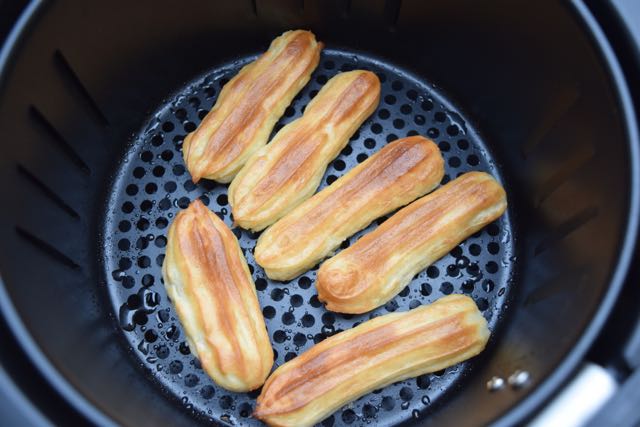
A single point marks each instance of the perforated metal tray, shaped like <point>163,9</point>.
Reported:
<point>152,184</point>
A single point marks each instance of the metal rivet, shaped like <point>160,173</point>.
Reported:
<point>519,379</point>
<point>495,384</point>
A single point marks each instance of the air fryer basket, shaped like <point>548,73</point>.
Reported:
<point>94,104</point>
<point>152,185</point>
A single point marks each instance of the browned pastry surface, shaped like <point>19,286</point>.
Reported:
<point>209,283</point>
<point>396,175</point>
<point>380,264</point>
<point>287,171</point>
<point>372,355</point>
<point>249,106</point>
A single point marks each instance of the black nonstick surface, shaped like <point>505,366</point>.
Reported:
<point>151,185</point>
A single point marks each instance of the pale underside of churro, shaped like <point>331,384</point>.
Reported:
<point>287,171</point>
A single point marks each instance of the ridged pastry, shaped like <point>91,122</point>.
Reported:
<point>286,172</point>
<point>209,283</point>
<point>396,175</point>
<point>372,355</point>
<point>249,106</point>
<point>380,264</point>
